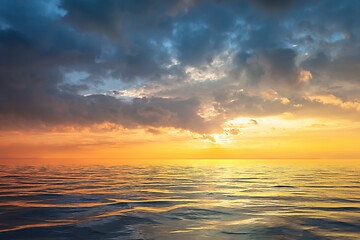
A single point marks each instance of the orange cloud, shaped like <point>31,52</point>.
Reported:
<point>336,101</point>
<point>272,95</point>
<point>304,76</point>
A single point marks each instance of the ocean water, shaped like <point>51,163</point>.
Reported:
<point>194,200</point>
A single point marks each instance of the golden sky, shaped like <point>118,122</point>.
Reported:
<point>270,137</point>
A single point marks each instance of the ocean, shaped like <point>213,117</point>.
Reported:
<point>175,199</point>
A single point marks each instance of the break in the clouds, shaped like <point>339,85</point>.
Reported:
<point>191,65</point>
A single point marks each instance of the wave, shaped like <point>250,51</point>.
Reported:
<point>179,202</point>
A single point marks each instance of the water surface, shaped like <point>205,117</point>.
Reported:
<point>181,200</point>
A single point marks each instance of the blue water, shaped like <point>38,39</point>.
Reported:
<point>192,201</point>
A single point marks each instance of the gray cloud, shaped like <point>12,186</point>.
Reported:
<point>137,44</point>
<point>276,66</point>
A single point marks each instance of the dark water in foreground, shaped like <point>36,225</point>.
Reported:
<point>180,201</point>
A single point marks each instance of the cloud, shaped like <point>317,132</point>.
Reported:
<point>190,65</point>
<point>273,6</point>
<point>154,131</point>
<point>304,76</point>
<point>274,66</point>
<point>64,109</point>
<point>336,101</point>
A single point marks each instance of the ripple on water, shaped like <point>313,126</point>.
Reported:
<point>179,202</point>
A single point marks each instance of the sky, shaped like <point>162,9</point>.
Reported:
<point>179,79</point>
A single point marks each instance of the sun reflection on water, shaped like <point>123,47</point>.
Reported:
<point>253,199</point>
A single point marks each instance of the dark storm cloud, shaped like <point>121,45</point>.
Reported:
<point>276,66</point>
<point>137,43</point>
<point>52,110</point>
<point>345,68</point>
<point>274,5</point>
<point>32,89</point>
